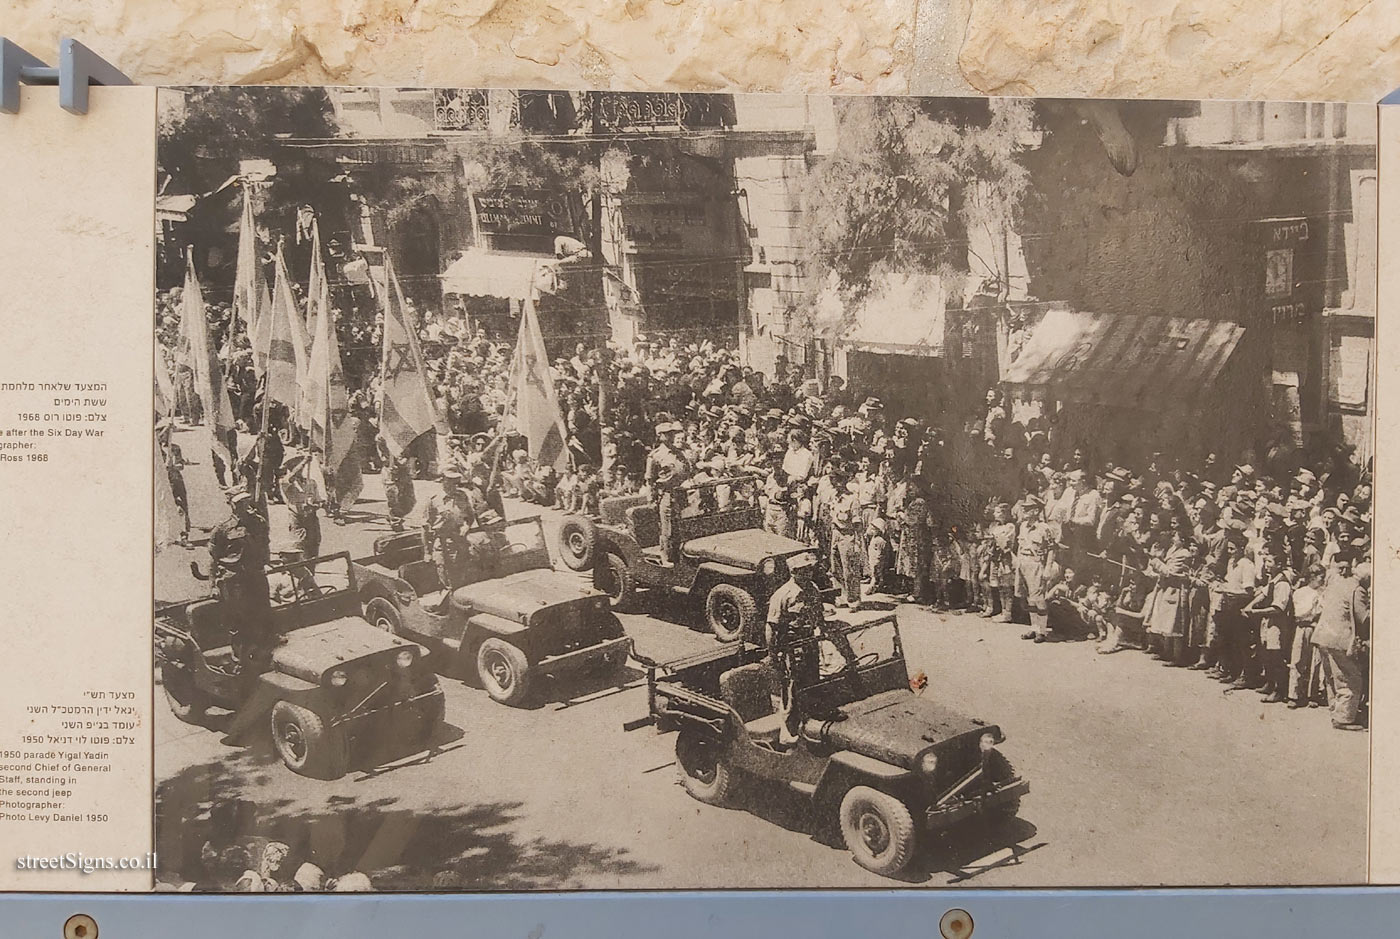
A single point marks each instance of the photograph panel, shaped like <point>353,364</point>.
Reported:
<point>600,490</point>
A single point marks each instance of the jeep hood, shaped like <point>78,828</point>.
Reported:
<point>746,548</point>
<point>309,652</point>
<point>895,726</point>
<point>519,596</point>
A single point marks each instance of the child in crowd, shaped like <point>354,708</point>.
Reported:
<point>878,555</point>
<point>1062,615</point>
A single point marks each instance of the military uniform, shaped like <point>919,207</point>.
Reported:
<point>794,616</point>
<point>447,520</point>
<point>239,552</point>
<point>666,470</point>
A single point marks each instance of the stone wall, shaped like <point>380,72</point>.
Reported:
<point>1279,49</point>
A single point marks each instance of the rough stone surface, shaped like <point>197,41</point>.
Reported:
<point>1345,49</point>
<point>1275,49</point>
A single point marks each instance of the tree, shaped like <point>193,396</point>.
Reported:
<point>908,178</point>
<point>204,136</point>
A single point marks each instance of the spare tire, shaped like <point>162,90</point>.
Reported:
<point>731,612</point>
<point>578,540</point>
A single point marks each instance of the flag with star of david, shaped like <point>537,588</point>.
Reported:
<point>326,401</point>
<point>534,405</point>
<point>406,409</point>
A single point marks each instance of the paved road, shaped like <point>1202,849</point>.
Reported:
<point>1140,775</point>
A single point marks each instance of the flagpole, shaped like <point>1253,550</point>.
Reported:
<point>260,446</point>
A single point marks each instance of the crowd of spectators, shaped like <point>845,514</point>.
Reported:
<point>1254,569</point>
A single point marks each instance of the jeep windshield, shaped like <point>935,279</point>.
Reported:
<point>526,534</point>
<point>713,496</point>
<point>301,581</point>
<point>872,643</point>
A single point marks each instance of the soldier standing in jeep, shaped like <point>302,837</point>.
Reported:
<point>238,555</point>
<point>795,619</point>
<point>667,470</point>
<point>447,520</point>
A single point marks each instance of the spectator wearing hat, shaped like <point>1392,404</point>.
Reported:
<point>1035,562</point>
<point>1239,578</point>
<point>1343,635</point>
<point>1305,686</point>
<point>847,547</point>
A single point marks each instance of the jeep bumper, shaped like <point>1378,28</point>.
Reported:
<point>944,816</point>
<point>581,658</point>
<point>403,713</point>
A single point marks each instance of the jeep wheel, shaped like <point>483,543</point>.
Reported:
<point>504,671</point>
<point>731,612</point>
<point>382,614</point>
<point>878,830</point>
<point>306,744</point>
<point>701,767</point>
<point>614,578</point>
<point>578,537</point>
<point>186,702</point>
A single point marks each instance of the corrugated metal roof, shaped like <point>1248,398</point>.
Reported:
<point>1124,360</point>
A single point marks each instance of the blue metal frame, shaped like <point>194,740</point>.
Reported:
<point>78,69</point>
<point>1351,912</point>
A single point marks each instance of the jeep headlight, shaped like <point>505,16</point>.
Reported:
<point>339,678</point>
<point>987,741</point>
<point>928,763</point>
<point>768,567</point>
<point>404,659</point>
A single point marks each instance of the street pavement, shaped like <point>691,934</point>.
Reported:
<point>1140,774</point>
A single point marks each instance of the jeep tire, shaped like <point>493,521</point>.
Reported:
<point>306,745</point>
<point>701,767</point>
<point>878,830</point>
<point>731,613</point>
<point>503,671</point>
<point>186,701</point>
<point>382,614</point>
<point>614,577</point>
<point>578,541</point>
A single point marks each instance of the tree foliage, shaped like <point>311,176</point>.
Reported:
<point>203,137</point>
<point>908,178</point>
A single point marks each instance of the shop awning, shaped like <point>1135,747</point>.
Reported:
<point>904,314</point>
<point>480,273</point>
<point>1146,362</point>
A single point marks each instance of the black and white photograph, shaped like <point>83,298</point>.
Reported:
<point>601,490</point>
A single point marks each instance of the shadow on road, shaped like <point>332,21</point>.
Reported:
<point>961,853</point>
<point>207,834</point>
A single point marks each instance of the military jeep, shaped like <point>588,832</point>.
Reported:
<point>515,619</point>
<point>874,756</point>
<point>333,683</point>
<point>719,553</point>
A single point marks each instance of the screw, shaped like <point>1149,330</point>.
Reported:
<point>956,924</point>
<point>80,926</point>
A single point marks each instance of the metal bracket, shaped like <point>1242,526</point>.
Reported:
<point>78,69</point>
